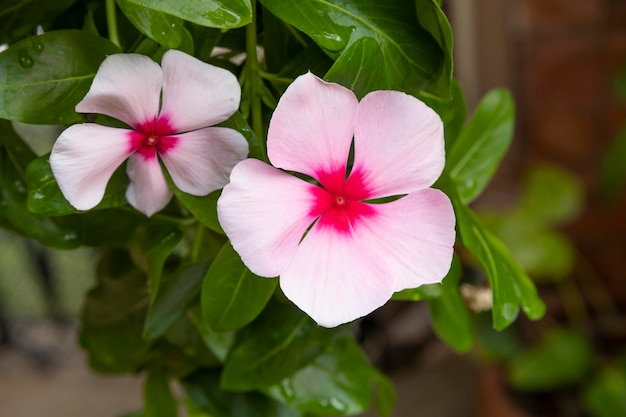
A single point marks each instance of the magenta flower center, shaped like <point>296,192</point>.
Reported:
<point>152,137</point>
<point>339,201</point>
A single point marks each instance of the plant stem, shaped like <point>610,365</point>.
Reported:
<point>112,22</point>
<point>197,243</point>
<point>254,78</point>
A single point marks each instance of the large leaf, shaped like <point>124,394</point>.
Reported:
<point>377,45</point>
<point>166,29</point>
<point>42,78</point>
<point>213,13</point>
<point>479,149</point>
<point>339,381</point>
<point>171,302</point>
<point>511,286</point>
<point>278,343</point>
<point>232,296</point>
<point>21,17</point>
<point>157,395</point>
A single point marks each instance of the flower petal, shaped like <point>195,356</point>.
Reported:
<point>201,161</point>
<point>335,279</point>
<point>338,276</point>
<point>414,237</point>
<point>312,127</point>
<point>148,191</point>
<point>83,160</point>
<point>398,144</point>
<point>265,212</point>
<point>196,94</point>
<point>126,87</point>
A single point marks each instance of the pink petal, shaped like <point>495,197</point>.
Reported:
<point>312,127</point>
<point>338,276</point>
<point>335,278</point>
<point>126,87</point>
<point>201,161</point>
<point>398,144</point>
<point>148,191</point>
<point>265,212</point>
<point>196,94</point>
<point>414,237</point>
<point>83,160</point>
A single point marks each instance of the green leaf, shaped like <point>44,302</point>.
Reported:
<point>203,208</point>
<point>476,154</point>
<point>552,195</point>
<point>510,285</point>
<point>151,246</point>
<point>562,359</point>
<point>218,342</point>
<point>339,382</point>
<point>167,30</point>
<point>110,228</point>
<point>605,396</point>
<point>42,78</point>
<point>113,316</point>
<point>449,314</point>
<point>377,45</point>
<point>278,343</point>
<point>232,296</point>
<point>173,299</point>
<point>213,13</point>
<point>158,398</point>
<point>21,17</point>
<point>45,196</point>
<point>423,292</point>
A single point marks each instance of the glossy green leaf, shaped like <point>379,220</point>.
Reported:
<point>151,247</point>
<point>278,343</point>
<point>377,45</point>
<point>232,296</point>
<point>172,300</point>
<point>42,78</point>
<point>203,208</point>
<point>511,286</point>
<point>423,292</point>
<point>562,359</point>
<point>213,13</point>
<point>45,197</point>
<point>110,228</point>
<point>476,154</point>
<point>205,394</point>
<point>449,314</point>
<point>605,395</point>
<point>113,316</point>
<point>218,342</point>
<point>339,382</point>
<point>166,29</point>
<point>157,396</point>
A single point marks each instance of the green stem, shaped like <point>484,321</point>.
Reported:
<point>197,243</point>
<point>254,78</point>
<point>112,22</point>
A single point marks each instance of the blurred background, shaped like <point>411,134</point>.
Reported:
<point>558,201</point>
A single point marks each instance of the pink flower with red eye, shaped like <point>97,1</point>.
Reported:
<point>340,255</point>
<point>170,110</point>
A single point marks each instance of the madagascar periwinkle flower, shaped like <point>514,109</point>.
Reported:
<point>170,111</point>
<point>339,254</point>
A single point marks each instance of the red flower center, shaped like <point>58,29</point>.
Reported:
<point>152,137</point>
<point>338,202</point>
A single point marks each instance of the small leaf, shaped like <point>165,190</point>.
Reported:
<point>42,78</point>
<point>552,195</point>
<point>172,300</point>
<point>232,296</point>
<point>278,343</point>
<point>166,29</point>
<point>563,359</point>
<point>477,152</point>
<point>158,398</point>
<point>605,396</point>
<point>213,13</point>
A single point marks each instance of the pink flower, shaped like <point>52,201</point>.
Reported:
<point>169,111</point>
<point>339,255</point>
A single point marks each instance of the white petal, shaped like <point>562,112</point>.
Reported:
<point>83,160</point>
<point>312,127</point>
<point>201,161</point>
<point>265,212</point>
<point>126,87</point>
<point>148,191</point>
<point>196,94</point>
<point>398,144</point>
<point>334,279</point>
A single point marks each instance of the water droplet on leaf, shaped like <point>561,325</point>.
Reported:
<point>25,60</point>
<point>37,44</point>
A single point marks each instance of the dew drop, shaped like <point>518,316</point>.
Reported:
<point>37,44</point>
<point>173,25</point>
<point>25,60</point>
<point>19,187</point>
<point>38,196</point>
<point>69,236</point>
